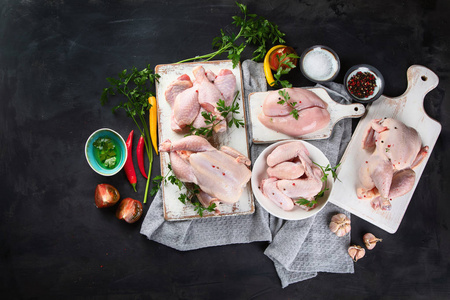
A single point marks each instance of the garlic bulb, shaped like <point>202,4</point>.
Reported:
<point>370,240</point>
<point>340,224</point>
<point>356,252</point>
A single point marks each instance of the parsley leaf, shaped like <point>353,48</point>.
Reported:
<point>135,85</point>
<point>253,30</point>
<point>189,196</point>
<point>212,121</point>
<point>285,100</point>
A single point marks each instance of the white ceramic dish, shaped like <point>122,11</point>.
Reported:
<point>259,173</point>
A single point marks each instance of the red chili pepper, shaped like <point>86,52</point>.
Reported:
<point>140,156</point>
<point>129,167</point>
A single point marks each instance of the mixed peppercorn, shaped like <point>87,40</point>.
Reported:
<point>362,84</point>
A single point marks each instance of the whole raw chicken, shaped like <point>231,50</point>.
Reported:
<point>221,174</point>
<point>292,176</point>
<point>312,112</point>
<point>189,99</point>
<point>388,172</point>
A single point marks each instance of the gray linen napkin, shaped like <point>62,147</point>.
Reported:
<point>299,249</point>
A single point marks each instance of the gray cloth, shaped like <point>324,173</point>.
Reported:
<point>299,249</point>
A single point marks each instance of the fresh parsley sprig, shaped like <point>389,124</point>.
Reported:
<point>324,179</point>
<point>212,121</point>
<point>253,30</point>
<point>189,196</point>
<point>285,65</point>
<point>285,100</point>
<point>137,87</point>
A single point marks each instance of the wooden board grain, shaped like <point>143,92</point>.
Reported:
<point>407,108</point>
<point>234,137</point>
<point>262,134</point>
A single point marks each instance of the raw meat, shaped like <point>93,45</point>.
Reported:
<point>388,173</point>
<point>312,112</point>
<point>221,174</point>
<point>292,176</point>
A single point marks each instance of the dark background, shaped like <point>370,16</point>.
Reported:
<point>55,56</point>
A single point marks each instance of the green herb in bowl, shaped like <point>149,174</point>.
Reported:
<point>105,152</point>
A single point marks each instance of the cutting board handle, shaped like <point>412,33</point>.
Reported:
<point>421,80</point>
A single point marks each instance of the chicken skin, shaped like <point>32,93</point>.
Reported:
<point>189,99</point>
<point>221,174</point>
<point>388,172</point>
<point>312,112</point>
<point>292,176</point>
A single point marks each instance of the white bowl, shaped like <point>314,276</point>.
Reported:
<point>259,173</point>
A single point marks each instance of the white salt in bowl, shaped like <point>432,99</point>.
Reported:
<point>320,64</point>
<point>259,172</point>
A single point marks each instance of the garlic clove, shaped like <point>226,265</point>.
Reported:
<point>356,252</point>
<point>370,240</point>
<point>340,224</point>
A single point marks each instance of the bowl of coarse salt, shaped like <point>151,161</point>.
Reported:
<point>320,64</point>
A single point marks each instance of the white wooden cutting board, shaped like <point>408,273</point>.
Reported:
<point>262,134</point>
<point>234,137</point>
<point>407,108</point>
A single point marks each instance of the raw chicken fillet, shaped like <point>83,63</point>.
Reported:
<point>312,112</point>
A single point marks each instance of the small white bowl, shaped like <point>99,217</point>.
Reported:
<point>259,173</point>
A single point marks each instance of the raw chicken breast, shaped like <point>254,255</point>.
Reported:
<point>309,120</point>
<point>312,112</point>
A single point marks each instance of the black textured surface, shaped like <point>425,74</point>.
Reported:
<point>55,56</point>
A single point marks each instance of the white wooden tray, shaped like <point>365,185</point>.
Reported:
<point>407,108</point>
<point>234,137</point>
<point>262,134</point>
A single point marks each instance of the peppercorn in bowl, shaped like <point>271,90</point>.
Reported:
<point>105,152</point>
<point>364,83</point>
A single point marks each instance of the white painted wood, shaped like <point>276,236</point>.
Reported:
<point>407,108</point>
<point>262,134</point>
<point>234,137</point>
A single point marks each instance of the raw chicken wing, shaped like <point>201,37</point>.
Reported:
<point>292,176</point>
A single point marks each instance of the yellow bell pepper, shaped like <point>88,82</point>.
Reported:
<point>267,70</point>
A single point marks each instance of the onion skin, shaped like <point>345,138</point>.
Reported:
<point>106,195</point>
